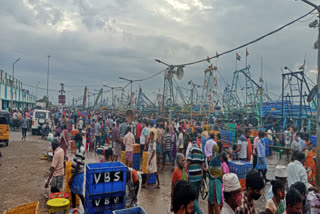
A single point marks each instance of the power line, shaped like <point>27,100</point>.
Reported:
<point>79,86</point>
<point>248,43</point>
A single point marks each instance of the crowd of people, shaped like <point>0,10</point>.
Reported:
<point>193,155</point>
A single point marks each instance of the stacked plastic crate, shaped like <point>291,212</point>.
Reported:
<point>241,169</point>
<point>267,143</point>
<point>136,156</point>
<point>105,187</point>
<point>313,140</point>
<point>145,162</point>
<point>66,183</point>
<point>123,157</point>
<point>226,138</point>
<point>152,178</point>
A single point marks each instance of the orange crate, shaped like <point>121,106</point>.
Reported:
<point>66,181</point>
<point>192,129</point>
<point>242,183</point>
<point>205,127</point>
<point>30,208</point>
<point>145,162</point>
<point>73,144</point>
<point>215,135</point>
<point>123,158</point>
<point>74,132</point>
<point>136,148</point>
<point>225,144</point>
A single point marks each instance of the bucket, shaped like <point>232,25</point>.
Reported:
<point>58,206</point>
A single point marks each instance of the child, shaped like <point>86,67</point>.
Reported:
<point>224,163</point>
<point>235,156</point>
<point>88,138</point>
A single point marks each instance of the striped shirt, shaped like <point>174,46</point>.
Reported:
<point>167,142</point>
<point>78,161</point>
<point>196,159</point>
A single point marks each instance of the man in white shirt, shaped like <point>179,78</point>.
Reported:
<point>296,171</point>
<point>242,146</point>
<point>287,142</point>
<point>208,147</point>
<point>144,136</point>
<point>80,126</point>
<point>15,115</point>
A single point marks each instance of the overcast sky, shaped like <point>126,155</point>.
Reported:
<point>93,42</point>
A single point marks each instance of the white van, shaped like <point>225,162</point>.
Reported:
<point>38,119</point>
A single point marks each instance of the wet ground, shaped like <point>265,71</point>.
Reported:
<point>22,173</point>
<point>23,176</point>
<point>157,201</point>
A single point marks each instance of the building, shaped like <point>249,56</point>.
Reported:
<point>13,96</point>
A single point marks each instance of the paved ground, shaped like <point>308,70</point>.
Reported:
<point>23,176</point>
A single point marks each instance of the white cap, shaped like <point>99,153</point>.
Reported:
<point>230,182</point>
<point>281,171</point>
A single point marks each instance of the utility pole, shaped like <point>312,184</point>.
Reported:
<point>37,90</point>
<point>48,78</point>
<point>318,96</point>
<point>13,66</point>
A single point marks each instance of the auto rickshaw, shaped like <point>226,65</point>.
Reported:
<point>4,127</point>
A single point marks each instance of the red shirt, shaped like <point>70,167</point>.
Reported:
<point>139,130</point>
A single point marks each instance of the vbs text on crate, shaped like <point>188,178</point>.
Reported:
<point>106,177</point>
<point>105,203</point>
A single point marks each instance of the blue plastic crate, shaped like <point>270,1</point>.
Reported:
<point>242,175</point>
<point>152,179</point>
<point>226,136</point>
<point>136,165</point>
<point>198,130</point>
<point>105,203</point>
<point>313,140</point>
<point>100,151</point>
<point>240,169</point>
<point>136,157</point>
<point>268,149</point>
<point>107,177</point>
<point>136,161</point>
<point>135,210</point>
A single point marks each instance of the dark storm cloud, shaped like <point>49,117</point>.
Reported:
<point>94,42</point>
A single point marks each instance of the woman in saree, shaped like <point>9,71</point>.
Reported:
<point>310,165</point>
<point>215,182</point>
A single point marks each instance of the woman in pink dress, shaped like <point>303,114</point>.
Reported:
<point>224,163</point>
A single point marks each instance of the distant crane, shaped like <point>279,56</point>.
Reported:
<point>97,98</point>
<point>85,98</point>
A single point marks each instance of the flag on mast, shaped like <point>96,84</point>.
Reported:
<point>238,57</point>
<point>247,54</point>
<point>301,67</point>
